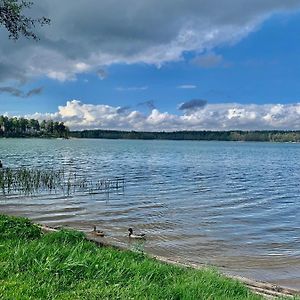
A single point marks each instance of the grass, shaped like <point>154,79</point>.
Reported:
<point>64,265</point>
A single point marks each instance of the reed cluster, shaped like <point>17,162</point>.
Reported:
<point>33,181</point>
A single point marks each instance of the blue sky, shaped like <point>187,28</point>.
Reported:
<point>255,70</point>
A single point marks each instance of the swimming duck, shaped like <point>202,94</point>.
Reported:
<point>136,236</point>
<point>97,232</point>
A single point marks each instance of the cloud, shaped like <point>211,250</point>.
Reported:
<point>149,104</point>
<point>209,60</point>
<point>193,104</point>
<point>19,93</point>
<point>226,116</point>
<point>102,74</point>
<point>10,71</point>
<point>187,86</point>
<point>87,35</point>
<point>131,88</point>
<point>122,110</point>
<point>12,91</point>
<point>33,92</point>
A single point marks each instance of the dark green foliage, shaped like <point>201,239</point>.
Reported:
<point>21,127</point>
<point>63,265</point>
<point>260,136</point>
<point>13,19</point>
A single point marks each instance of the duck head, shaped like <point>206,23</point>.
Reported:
<point>130,231</point>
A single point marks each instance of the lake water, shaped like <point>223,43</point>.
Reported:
<point>228,204</point>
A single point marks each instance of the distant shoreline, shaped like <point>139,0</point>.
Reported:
<point>234,135</point>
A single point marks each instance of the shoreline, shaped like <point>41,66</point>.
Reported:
<point>253,283</point>
<point>41,262</point>
<point>146,139</point>
<point>265,289</point>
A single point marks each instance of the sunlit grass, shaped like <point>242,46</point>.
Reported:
<point>64,265</point>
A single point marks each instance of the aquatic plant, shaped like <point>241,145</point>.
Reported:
<point>31,181</point>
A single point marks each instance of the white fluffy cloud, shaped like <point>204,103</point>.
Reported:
<point>229,116</point>
<point>87,35</point>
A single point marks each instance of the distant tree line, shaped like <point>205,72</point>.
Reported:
<point>261,136</point>
<point>21,127</point>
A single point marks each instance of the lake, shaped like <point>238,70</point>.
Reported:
<point>229,204</point>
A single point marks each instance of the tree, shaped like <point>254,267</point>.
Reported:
<point>22,127</point>
<point>50,126</point>
<point>23,123</point>
<point>34,125</point>
<point>43,125</point>
<point>14,20</point>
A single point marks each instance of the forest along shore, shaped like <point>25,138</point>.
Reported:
<point>22,127</point>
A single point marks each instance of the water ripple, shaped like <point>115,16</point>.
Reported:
<point>233,205</point>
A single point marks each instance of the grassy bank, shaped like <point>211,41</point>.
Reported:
<point>63,265</point>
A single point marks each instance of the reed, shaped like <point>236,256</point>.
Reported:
<point>33,181</point>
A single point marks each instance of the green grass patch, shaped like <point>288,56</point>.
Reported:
<point>64,265</point>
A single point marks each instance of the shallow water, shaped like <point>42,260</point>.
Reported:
<point>232,205</point>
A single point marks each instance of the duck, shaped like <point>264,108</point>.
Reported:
<point>97,232</point>
<point>136,236</point>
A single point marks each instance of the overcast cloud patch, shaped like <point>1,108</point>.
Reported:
<point>86,36</point>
